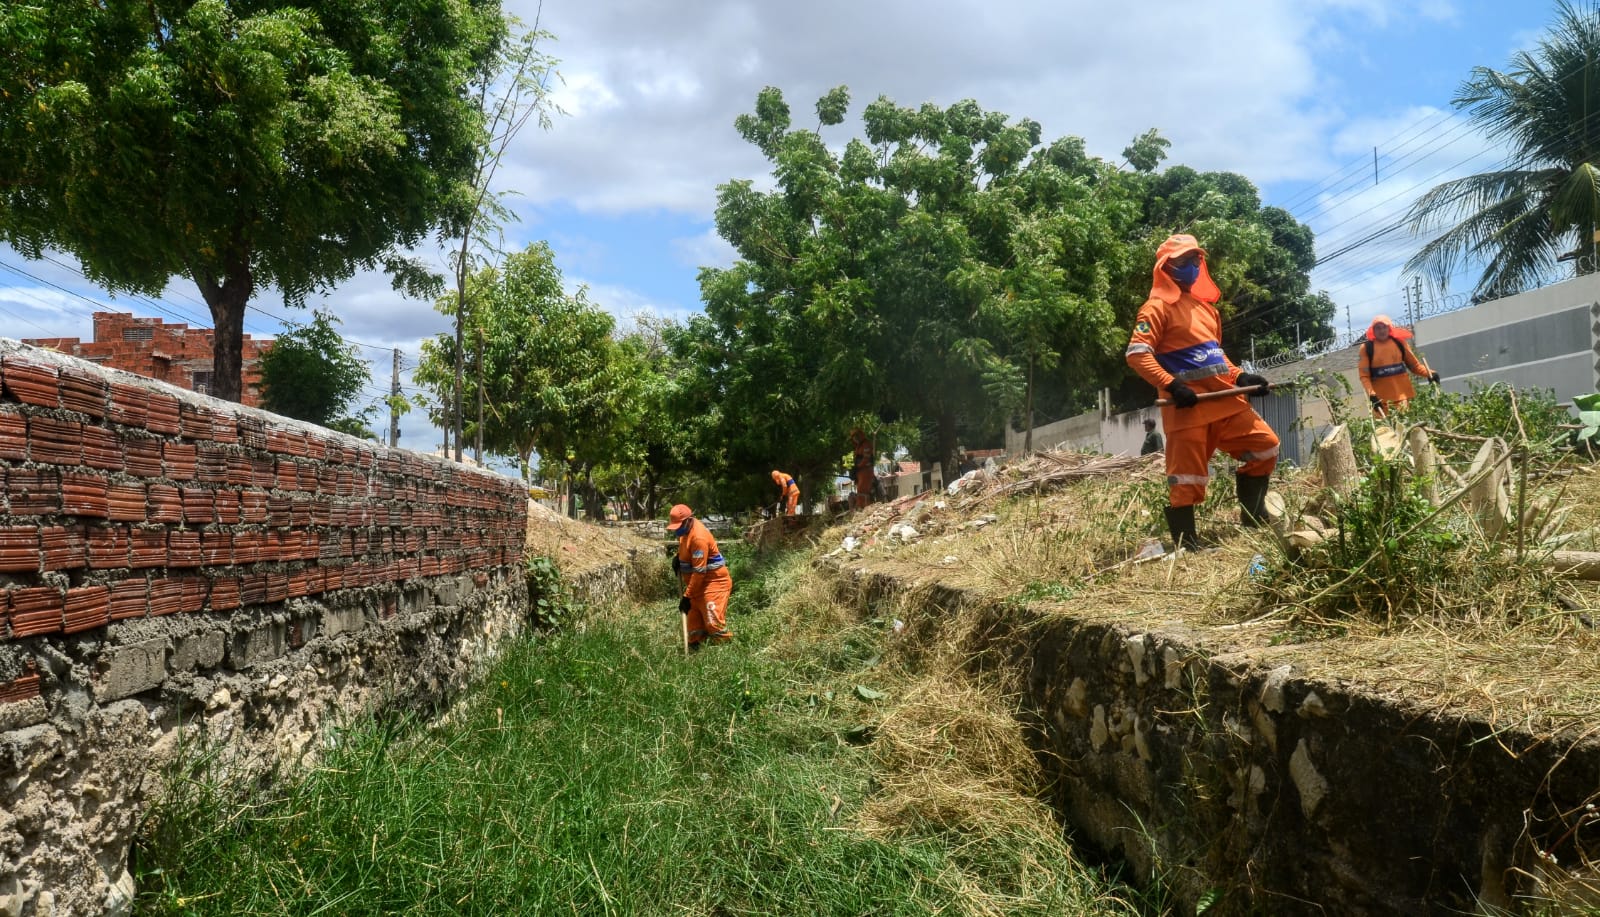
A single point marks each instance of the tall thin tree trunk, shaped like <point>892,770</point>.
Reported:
<point>477,434</point>
<point>1027,439</point>
<point>947,443</point>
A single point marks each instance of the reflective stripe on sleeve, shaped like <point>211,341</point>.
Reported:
<point>1139,348</point>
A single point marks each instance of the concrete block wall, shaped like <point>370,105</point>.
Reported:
<point>177,568</point>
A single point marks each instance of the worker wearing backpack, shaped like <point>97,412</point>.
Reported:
<point>1384,364</point>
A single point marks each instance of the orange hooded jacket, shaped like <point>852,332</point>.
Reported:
<point>1384,372</point>
<point>1178,335</point>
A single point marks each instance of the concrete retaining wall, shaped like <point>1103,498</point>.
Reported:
<point>179,570</point>
<point>1284,792</point>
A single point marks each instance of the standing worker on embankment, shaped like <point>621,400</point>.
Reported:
<point>790,491</point>
<point>1177,347</point>
<point>704,573</point>
<point>863,472</point>
<point>1384,362</point>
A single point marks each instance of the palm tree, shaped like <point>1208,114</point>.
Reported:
<point>1543,207</point>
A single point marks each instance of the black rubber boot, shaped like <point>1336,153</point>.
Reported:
<point>1180,521</point>
<point>1252,499</point>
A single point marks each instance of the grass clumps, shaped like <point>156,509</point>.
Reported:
<point>597,769</point>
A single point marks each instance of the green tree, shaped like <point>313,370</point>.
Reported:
<point>311,374</point>
<point>1543,207</point>
<point>282,143</point>
<point>553,382</point>
<point>916,275</point>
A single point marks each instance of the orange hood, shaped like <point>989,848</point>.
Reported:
<point>777,477</point>
<point>1395,331</point>
<point>1164,288</point>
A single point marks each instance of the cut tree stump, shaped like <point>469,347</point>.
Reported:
<point>1337,460</point>
<point>1488,498</point>
<point>1425,463</point>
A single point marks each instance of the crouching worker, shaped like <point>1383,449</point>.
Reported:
<point>705,578</point>
<point>1386,366</point>
<point>1177,347</point>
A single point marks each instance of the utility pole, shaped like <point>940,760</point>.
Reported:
<point>1252,350</point>
<point>394,396</point>
<point>1416,299</point>
<point>477,439</point>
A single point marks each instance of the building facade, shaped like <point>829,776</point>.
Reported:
<point>175,354</point>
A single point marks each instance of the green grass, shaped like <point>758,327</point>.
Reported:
<point>594,771</point>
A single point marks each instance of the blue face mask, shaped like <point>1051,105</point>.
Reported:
<point>1184,274</point>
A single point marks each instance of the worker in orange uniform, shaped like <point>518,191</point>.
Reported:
<point>704,573</point>
<point>863,472</point>
<point>790,491</point>
<point>1177,347</point>
<point>1384,362</point>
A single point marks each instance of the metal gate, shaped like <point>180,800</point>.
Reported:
<point>1281,411</point>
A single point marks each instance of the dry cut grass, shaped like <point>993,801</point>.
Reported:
<point>1503,642</point>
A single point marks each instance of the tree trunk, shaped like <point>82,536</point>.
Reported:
<point>227,301</point>
<point>947,444</point>
<point>1027,439</point>
<point>477,433</point>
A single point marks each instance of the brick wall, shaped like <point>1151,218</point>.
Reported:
<point>171,353</point>
<point>122,502</point>
<point>172,563</point>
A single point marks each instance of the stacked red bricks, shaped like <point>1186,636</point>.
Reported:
<point>124,500</point>
<point>172,353</point>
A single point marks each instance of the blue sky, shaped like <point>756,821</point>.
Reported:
<point>1293,94</point>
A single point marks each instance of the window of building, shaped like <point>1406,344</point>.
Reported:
<point>138,334</point>
<point>202,381</point>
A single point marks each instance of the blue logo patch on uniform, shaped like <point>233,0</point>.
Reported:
<point>1143,327</point>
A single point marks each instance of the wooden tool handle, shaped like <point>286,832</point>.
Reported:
<point>1224,393</point>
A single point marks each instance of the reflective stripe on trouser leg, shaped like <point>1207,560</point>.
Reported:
<point>1187,456</point>
<point>713,605</point>
<point>1246,437</point>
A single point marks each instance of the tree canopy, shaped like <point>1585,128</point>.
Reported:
<point>552,378</point>
<point>950,271</point>
<point>281,143</point>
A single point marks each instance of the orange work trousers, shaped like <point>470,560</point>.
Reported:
<point>863,495</point>
<point>708,609</point>
<point>790,497</point>
<point>1243,435</point>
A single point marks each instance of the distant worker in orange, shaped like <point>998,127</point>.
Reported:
<point>863,472</point>
<point>1384,362</point>
<point>1177,347</point>
<point>790,491</point>
<point>704,573</point>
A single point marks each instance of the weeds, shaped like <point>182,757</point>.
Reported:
<point>549,599</point>
<point>597,770</point>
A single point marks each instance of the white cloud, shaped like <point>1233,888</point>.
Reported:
<point>708,249</point>
<point>624,303</point>
<point>653,89</point>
